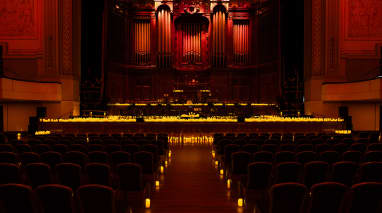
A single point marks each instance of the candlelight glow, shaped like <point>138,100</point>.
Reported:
<point>42,133</point>
<point>221,172</point>
<point>19,136</point>
<point>343,132</point>
<point>193,118</point>
<point>161,169</point>
<point>229,181</point>
<point>147,203</point>
<point>240,202</point>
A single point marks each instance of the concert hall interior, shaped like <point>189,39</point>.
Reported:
<point>244,106</point>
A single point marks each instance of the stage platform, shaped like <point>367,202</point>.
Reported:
<point>180,126</point>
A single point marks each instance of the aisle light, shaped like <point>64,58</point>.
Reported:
<point>147,203</point>
<point>240,202</point>
<point>169,154</point>
<point>229,181</point>
<point>161,169</point>
<point>19,136</point>
<point>221,172</point>
<point>166,163</point>
<point>157,183</point>
<point>213,154</point>
<point>216,163</point>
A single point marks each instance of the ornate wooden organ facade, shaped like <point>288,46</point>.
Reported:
<point>155,47</point>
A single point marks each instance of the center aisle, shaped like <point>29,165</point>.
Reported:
<point>191,184</point>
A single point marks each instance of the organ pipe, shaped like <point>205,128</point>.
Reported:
<point>142,42</point>
<point>218,45</point>
<point>240,42</point>
<point>191,33</point>
<point>164,38</point>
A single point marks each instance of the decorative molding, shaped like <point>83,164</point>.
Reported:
<point>18,19</point>
<point>363,20</point>
<point>317,37</point>
<point>67,38</point>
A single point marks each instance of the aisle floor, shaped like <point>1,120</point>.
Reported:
<point>191,184</point>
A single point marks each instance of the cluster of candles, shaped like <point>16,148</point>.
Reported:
<point>240,200</point>
<point>42,132</point>
<point>191,139</point>
<point>192,104</point>
<point>194,118</point>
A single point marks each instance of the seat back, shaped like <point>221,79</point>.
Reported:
<point>96,198</point>
<point>98,173</point>
<point>288,172</point>
<point>344,172</point>
<point>366,197</point>
<point>16,198</point>
<point>9,173</point>
<point>38,174</point>
<point>69,174</point>
<point>130,176</point>
<point>327,197</point>
<point>259,175</point>
<point>55,198</point>
<point>315,172</point>
<point>287,198</point>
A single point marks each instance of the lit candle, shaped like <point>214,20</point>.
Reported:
<point>147,203</point>
<point>240,202</point>
<point>229,183</point>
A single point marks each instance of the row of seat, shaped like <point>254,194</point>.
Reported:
<point>262,175</point>
<point>328,197</point>
<point>62,148</point>
<point>319,146</point>
<point>125,176</point>
<point>52,198</point>
<point>148,160</point>
<point>241,157</point>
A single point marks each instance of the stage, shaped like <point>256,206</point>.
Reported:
<point>193,125</point>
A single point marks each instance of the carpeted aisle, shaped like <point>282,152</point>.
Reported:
<point>191,184</point>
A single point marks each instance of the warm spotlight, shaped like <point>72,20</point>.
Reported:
<point>221,172</point>
<point>161,169</point>
<point>157,183</point>
<point>240,202</point>
<point>19,136</point>
<point>229,181</point>
<point>147,203</point>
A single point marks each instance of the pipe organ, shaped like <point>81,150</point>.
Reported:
<point>191,35</point>
<point>219,46</point>
<point>164,38</point>
<point>240,42</point>
<point>142,41</point>
<point>218,38</point>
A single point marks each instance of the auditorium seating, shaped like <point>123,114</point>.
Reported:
<point>307,170</point>
<point>65,173</point>
<point>315,173</point>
